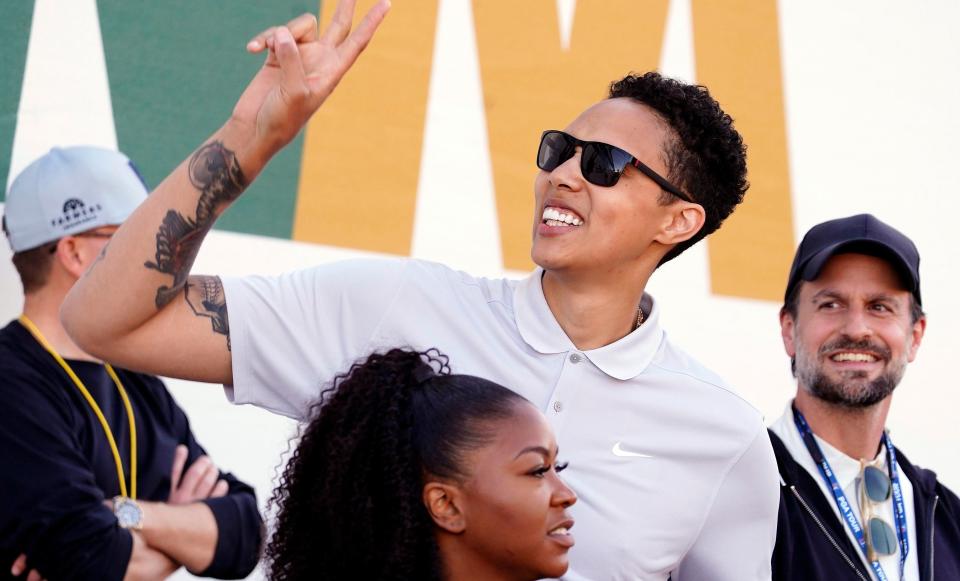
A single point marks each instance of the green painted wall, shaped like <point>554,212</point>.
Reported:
<point>175,69</point>
<point>15,31</point>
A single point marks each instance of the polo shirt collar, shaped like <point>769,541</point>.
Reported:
<point>623,359</point>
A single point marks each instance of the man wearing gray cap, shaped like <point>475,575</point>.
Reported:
<point>852,506</point>
<point>102,476</point>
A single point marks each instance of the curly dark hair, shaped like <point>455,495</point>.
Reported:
<point>706,157</point>
<point>350,499</point>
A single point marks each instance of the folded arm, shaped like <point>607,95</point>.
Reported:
<point>53,511</point>
<point>147,563</point>
<point>210,522</point>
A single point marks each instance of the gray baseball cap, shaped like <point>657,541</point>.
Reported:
<point>70,190</point>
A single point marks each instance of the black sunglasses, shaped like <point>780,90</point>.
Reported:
<point>600,163</point>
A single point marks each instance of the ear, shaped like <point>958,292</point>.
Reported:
<point>787,329</point>
<point>682,223</point>
<point>70,254</point>
<point>442,501</point>
<point>919,328</point>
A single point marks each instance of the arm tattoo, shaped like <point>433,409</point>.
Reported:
<point>214,171</point>
<point>205,296</point>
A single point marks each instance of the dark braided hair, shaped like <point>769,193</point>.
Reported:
<point>705,157</point>
<point>350,499</point>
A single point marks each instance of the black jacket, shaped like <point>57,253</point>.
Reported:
<point>56,468</point>
<point>813,545</point>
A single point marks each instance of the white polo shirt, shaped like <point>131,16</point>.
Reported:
<point>847,472</point>
<point>674,471</point>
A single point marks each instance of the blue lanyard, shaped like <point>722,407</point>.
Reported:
<point>899,510</point>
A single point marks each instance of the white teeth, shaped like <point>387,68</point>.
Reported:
<point>560,531</point>
<point>562,218</point>
<point>853,357</point>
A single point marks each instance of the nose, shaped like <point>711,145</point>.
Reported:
<point>563,495</point>
<point>567,175</point>
<point>857,325</point>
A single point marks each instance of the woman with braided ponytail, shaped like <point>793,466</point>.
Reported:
<point>407,471</point>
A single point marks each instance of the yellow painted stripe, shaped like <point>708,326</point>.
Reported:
<point>531,84</point>
<point>361,154</point>
<point>738,58</point>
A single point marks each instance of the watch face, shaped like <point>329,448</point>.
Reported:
<point>128,513</point>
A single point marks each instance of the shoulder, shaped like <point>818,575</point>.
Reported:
<point>21,359</point>
<point>15,349</point>
<point>714,390</point>
<point>345,272</point>
<point>714,423</point>
<point>435,277</point>
<point>147,386</point>
<point>31,378</point>
<point>926,479</point>
<point>374,276</point>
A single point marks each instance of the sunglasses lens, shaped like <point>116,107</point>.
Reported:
<point>882,537</point>
<point>597,165</point>
<point>555,149</point>
<point>876,482</point>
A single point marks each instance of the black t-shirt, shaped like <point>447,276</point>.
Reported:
<point>56,467</point>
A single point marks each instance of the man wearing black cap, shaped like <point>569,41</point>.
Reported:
<point>852,506</point>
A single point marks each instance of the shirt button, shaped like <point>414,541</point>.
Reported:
<point>575,358</point>
<point>557,406</point>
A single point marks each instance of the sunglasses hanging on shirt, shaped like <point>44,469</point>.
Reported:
<point>875,489</point>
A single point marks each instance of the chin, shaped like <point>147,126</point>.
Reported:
<point>549,261</point>
<point>556,567</point>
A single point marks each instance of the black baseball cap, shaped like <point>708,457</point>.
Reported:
<point>860,234</point>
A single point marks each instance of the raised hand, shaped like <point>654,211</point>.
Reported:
<point>301,70</point>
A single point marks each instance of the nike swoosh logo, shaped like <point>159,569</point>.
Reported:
<point>619,451</point>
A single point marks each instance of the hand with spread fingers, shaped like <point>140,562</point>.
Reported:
<point>301,70</point>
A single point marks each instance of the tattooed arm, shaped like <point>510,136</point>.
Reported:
<point>139,307</point>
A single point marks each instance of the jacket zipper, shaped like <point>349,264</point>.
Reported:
<point>933,514</point>
<point>833,542</point>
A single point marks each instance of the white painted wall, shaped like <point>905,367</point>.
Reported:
<point>871,91</point>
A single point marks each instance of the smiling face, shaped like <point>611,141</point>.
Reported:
<point>852,336</point>
<point>514,504</point>
<point>578,225</point>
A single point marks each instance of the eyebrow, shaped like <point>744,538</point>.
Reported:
<point>537,450</point>
<point>831,293</point>
<point>827,292</point>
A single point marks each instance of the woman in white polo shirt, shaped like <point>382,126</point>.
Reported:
<point>405,472</point>
<point>675,471</point>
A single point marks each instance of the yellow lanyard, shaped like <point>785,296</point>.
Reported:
<point>96,410</point>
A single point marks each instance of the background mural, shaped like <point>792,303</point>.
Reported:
<point>427,150</point>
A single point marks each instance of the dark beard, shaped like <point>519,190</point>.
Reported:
<point>853,391</point>
<point>842,394</point>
